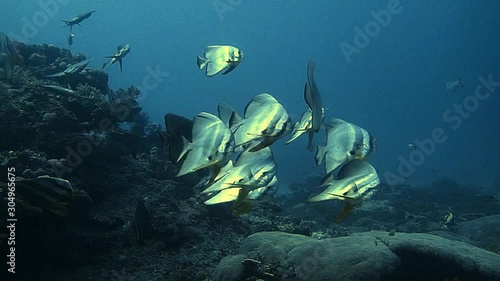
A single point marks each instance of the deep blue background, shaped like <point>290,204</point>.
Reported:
<point>394,88</point>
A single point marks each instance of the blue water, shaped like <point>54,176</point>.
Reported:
<point>393,86</point>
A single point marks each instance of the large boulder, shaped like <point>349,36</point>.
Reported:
<point>485,231</point>
<point>357,257</point>
<point>429,257</point>
<point>362,256</point>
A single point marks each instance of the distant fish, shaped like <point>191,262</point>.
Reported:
<point>448,218</point>
<point>345,142</point>
<point>265,120</point>
<point>219,58</point>
<point>453,85</point>
<point>122,51</point>
<point>412,146</point>
<point>59,89</point>
<point>72,69</point>
<point>7,56</point>
<point>356,181</point>
<point>211,145</point>
<point>78,19</point>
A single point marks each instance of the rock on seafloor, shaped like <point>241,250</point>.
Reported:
<point>362,256</point>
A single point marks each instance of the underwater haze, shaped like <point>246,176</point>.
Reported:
<point>386,74</point>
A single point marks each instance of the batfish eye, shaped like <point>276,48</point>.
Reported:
<point>352,152</point>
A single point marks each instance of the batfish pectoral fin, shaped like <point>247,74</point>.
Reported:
<point>242,195</point>
<point>242,208</point>
<point>345,212</point>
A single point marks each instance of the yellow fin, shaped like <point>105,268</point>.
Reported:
<point>242,195</point>
<point>242,208</point>
<point>345,212</point>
